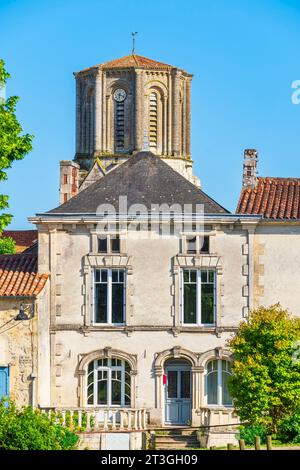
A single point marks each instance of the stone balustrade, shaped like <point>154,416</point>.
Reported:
<point>219,416</point>
<point>99,419</point>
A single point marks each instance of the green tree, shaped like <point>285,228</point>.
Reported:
<point>265,384</point>
<point>7,246</point>
<point>28,429</point>
<point>14,145</point>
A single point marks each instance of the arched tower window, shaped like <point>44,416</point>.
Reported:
<point>108,382</point>
<point>153,124</point>
<point>119,126</point>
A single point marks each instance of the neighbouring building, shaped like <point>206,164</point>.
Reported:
<point>146,276</point>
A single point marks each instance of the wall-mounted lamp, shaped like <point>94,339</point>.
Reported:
<point>22,315</point>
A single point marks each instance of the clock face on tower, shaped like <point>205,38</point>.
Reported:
<point>120,94</point>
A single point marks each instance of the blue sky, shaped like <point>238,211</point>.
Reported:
<point>244,57</point>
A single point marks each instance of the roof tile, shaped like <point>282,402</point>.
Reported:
<point>273,198</point>
<point>19,276</point>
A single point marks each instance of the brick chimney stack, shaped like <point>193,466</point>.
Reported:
<point>250,168</point>
<point>69,180</point>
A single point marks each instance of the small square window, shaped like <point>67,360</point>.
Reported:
<point>102,245</point>
<point>115,244</point>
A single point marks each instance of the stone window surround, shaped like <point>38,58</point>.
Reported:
<point>204,261</point>
<point>107,352</point>
<point>198,363</point>
<point>97,260</point>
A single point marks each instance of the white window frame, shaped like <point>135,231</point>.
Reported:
<point>198,298</point>
<point>109,296</point>
<point>109,369</point>
<point>219,384</point>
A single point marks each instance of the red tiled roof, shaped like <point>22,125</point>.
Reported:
<point>130,61</point>
<point>19,276</point>
<point>24,238</point>
<point>273,198</point>
<point>134,60</point>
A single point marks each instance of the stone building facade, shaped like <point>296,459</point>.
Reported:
<point>149,276</point>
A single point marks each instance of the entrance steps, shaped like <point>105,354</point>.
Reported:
<point>176,438</point>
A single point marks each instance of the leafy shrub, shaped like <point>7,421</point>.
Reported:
<point>249,433</point>
<point>28,429</point>
<point>289,428</point>
<point>7,246</point>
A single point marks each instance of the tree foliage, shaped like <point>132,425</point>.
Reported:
<point>14,145</point>
<point>28,429</point>
<point>265,384</point>
<point>7,246</point>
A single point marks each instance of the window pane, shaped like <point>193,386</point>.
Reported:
<point>117,303</point>
<point>127,394</point>
<point>114,275</point>
<point>207,303</point>
<point>103,275</point>
<point>100,303</point>
<point>211,276</point>
<point>204,276</point>
<point>102,245</point>
<point>193,276</point>
<point>205,244</point>
<point>191,245</point>
<point>186,276</point>
<point>212,388</point>
<point>97,275</point>
<point>185,384</point>
<point>102,391</point>
<point>172,384</point>
<point>226,398</point>
<point>115,244</point>
<point>190,301</point>
<point>116,392</point>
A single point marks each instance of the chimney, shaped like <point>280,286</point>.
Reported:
<point>69,181</point>
<point>250,168</point>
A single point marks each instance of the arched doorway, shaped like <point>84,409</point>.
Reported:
<point>178,392</point>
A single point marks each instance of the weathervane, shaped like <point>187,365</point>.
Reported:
<point>133,42</point>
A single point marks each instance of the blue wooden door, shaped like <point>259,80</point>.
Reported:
<point>4,382</point>
<point>178,404</point>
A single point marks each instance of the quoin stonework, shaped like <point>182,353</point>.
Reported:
<point>129,331</point>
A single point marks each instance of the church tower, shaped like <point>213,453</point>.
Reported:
<point>124,106</point>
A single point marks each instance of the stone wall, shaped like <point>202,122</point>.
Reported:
<point>18,350</point>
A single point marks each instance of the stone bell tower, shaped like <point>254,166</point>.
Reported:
<point>127,105</point>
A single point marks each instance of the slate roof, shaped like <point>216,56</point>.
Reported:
<point>19,276</point>
<point>24,238</point>
<point>273,198</point>
<point>145,179</point>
